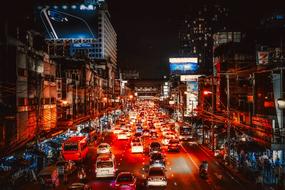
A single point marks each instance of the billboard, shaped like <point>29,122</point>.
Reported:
<point>185,78</point>
<point>67,21</point>
<point>185,65</point>
<point>262,57</point>
<point>191,98</point>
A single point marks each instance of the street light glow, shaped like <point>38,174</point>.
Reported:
<point>206,92</point>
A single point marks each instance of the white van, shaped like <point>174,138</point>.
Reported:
<point>105,166</point>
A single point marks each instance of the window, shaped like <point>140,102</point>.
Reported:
<point>22,72</point>
<point>83,146</point>
<point>70,147</point>
<point>22,101</point>
<point>52,100</point>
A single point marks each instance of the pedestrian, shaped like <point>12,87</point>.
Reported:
<point>81,175</point>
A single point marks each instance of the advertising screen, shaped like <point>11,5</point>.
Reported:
<point>67,21</point>
<point>183,65</point>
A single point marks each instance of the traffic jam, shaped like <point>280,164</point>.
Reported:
<point>143,149</point>
<point>150,134</point>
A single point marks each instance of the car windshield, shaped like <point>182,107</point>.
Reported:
<point>156,172</point>
<point>136,140</point>
<point>155,144</point>
<point>105,164</point>
<point>137,144</point>
<point>156,157</point>
<point>125,178</point>
<point>70,147</point>
<point>103,146</point>
<point>174,141</point>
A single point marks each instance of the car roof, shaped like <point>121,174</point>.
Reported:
<point>104,144</point>
<point>125,173</point>
<point>157,169</point>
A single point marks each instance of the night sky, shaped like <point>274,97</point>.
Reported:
<point>148,29</point>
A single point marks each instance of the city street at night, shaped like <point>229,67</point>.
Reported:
<point>135,95</point>
<point>182,168</point>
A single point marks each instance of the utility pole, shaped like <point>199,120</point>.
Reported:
<point>213,110</point>
<point>228,113</point>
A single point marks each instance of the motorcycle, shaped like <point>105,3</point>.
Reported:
<point>203,173</point>
<point>203,170</point>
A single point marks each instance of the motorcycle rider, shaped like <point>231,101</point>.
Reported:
<point>203,169</point>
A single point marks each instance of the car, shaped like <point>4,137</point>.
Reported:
<point>146,132</point>
<point>79,186</point>
<point>154,147</point>
<point>157,160</point>
<point>156,177</point>
<point>135,140</point>
<point>153,135</point>
<point>157,124</point>
<point>105,166</point>
<point>128,132</point>
<point>173,145</point>
<point>139,130</point>
<point>117,130</point>
<point>166,132</point>
<point>126,181</point>
<point>165,140</point>
<point>137,147</point>
<point>137,135</point>
<point>123,136</point>
<point>152,129</point>
<point>103,148</point>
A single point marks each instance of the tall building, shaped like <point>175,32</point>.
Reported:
<point>196,32</point>
<point>85,31</point>
<point>107,37</point>
<point>88,31</point>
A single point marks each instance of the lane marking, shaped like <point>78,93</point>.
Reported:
<point>187,153</point>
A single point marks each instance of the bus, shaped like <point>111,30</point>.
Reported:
<point>75,148</point>
<point>184,132</point>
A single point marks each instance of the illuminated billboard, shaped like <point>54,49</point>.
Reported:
<point>68,21</point>
<point>183,65</point>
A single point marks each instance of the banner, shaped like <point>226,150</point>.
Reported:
<point>262,57</point>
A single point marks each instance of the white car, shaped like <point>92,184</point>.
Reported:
<point>156,177</point>
<point>128,132</point>
<point>123,136</point>
<point>137,147</point>
<point>157,125</point>
<point>117,130</point>
<point>103,148</point>
<point>165,141</point>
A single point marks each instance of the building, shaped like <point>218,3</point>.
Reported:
<point>248,82</point>
<point>28,99</point>
<point>196,32</point>
<point>147,88</point>
<point>91,36</point>
<point>130,74</point>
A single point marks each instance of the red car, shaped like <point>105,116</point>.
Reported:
<point>126,181</point>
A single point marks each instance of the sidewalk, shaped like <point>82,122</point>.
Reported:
<point>244,176</point>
